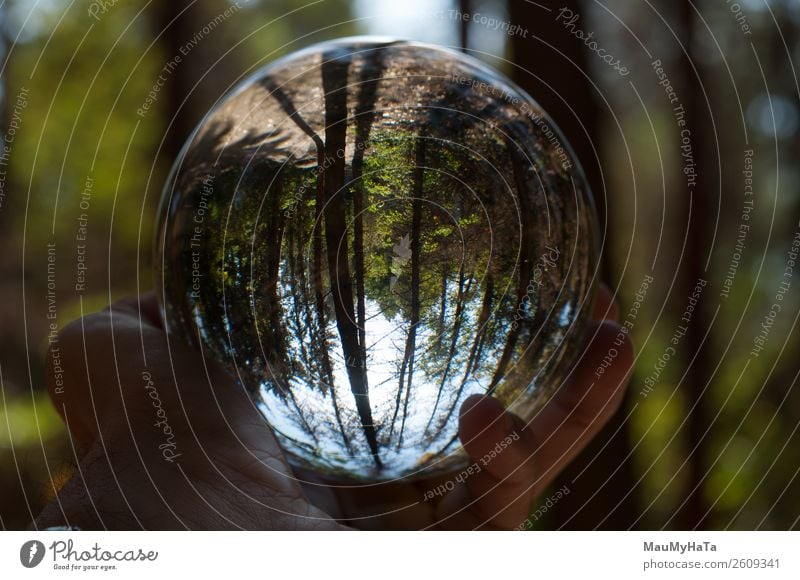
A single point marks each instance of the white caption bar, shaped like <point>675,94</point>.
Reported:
<point>382,555</point>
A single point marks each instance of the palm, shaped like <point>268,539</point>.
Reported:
<point>231,472</point>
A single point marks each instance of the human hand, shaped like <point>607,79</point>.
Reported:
<point>500,495</point>
<point>166,440</point>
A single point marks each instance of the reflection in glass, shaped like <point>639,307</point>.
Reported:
<point>367,233</point>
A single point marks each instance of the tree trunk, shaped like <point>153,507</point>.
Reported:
<point>698,217</point>
<point>334,81</point>
<point>416,250</point>
<point>570,89</point>
<point>465,6</point>
<point>190,91</point>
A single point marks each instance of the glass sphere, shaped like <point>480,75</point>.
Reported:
<point>366,233</point>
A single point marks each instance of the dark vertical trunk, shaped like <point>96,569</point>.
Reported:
<point>372,71</point>
<point>327,373</point>
<point>318,339</point>
<point>358,249</point>
<point>483,322</point>
<point>474,352</point>
<point>316,275</point>
<point>271,248</point>
<point>457,320</point>
<point>334,82</point>
<point>443,304</point>
<point>416,248</point>
<point>316,281</point>
<point>301,416</point>
<point>569,88</point>
<point>562,85</point>
<point>526,260</point>
<point>189,91</point>
<point>12,350</point>
<point>8,201</point>
<point>465,6</point>
<point>699,218</point>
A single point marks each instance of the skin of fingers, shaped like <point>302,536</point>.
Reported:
<point>578,412</point>
<point>106,375</point>
<point>500,495</point>
<point>411,505</point>
<point>503,501</point>
<point>495,497</point>
<point>605,307</point>
<point>503,486</point>
<point>119,412</point>
<point>88,355</point>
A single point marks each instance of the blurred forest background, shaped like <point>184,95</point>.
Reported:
<point>708,435</point>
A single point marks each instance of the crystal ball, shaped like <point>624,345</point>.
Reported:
<point>367,232</point>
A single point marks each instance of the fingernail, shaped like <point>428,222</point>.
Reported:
<point>471,402</point>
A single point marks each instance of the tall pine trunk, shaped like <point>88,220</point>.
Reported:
<point>699,219</point>
<point>562,86</point>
